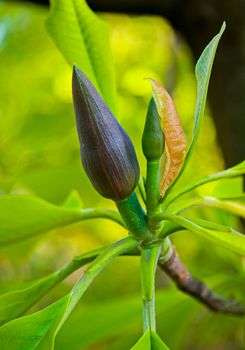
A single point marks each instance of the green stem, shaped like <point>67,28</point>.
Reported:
<point>97,213</point>
<point>134,216</point>
<point>152,186</point>
<point>149,259</point>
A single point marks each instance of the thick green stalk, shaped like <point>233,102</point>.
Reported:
<point>149,260</point>
<point>134,216</point>
<point>152,186</point>
<point>152,193</point>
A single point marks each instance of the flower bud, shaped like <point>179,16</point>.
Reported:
<point>107,153</point>
<point>153,138</point>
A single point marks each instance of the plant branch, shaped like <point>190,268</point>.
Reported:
<point>180,275</point>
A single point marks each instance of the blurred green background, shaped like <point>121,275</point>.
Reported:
<point>39,154</point>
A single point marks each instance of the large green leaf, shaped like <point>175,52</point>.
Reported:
<point>38,331</point>
<point>150,341</point>
<point>232,240</point>
<point>83,39</point>
<point>203,73</point>
<point>24,216</point>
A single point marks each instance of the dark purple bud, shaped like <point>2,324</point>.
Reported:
<point>107,153</point>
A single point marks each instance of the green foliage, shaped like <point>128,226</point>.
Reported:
<point>15,303</point>
<point>39,329</point>
<point>150,341</point>
<point>235,171</point>
<point>203,73</point>
<point>42,216</point>
<point>232,240</point>
<point>83,39</point>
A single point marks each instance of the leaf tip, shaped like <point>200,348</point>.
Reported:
<point>223,27</point>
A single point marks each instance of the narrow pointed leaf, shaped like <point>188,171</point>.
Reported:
<point>175,141</point>
<point>203,73</point>
<point>83,39</point>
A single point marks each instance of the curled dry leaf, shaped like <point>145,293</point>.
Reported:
<point>175,141</point>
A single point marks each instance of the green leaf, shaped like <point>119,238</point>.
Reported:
<point>83,39</point>
<point>203,73</point>
<point>38,331</point>
<point>229,188</point>
<point>150,341</point>
<point>15,303</point>
<point>24,216</point>
<point>230,173</point>
<point>73,201</point>
<point>233,241</point>
<point>28,331</point>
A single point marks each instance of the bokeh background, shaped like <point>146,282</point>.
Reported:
<point>39,154</point>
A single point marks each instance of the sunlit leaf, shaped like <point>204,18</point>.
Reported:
<point>83,39</point>
<point>150,341</point>
<point>229,188</point>
<point>175,141</point>
<point>203,73</point>
<point>24,216</point>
